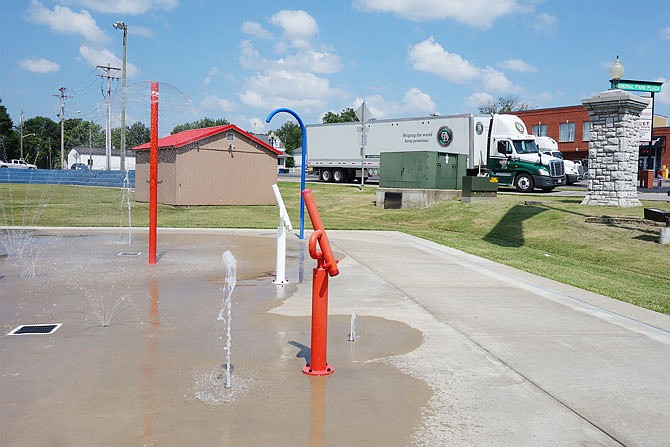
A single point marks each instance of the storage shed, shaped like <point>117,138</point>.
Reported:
<point>221,165</point>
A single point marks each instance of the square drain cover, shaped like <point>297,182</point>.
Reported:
<point>130,253</point>
<point>26,329</point>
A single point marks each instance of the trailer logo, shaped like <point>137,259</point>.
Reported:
<point>444,136</point>
<point>479,128</point>
<point>519,127</point>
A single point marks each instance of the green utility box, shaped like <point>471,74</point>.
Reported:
<point>422,170</point>
<point>475,188</point>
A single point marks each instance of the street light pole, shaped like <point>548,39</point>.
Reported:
<point>122,158</point>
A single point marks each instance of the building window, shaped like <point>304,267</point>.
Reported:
<point>586,135</point>
<point>540,130</point>
<point>566,133</point>
<point>230,136</point>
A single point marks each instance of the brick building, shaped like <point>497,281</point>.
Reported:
<point>570,127</point>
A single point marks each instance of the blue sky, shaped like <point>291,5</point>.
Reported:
<point>241,60</point>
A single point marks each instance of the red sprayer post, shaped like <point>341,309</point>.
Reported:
<point>326,265</point>
<point>153,174</point>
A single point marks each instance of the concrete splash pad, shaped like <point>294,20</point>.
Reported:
<point>453,350</point>
<point>138,360</point>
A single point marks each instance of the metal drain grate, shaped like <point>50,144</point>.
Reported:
<point>44,329</point>
<point>130,253</point>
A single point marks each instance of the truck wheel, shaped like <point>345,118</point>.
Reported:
<point>326,175</point>
<point>338,175</point>
<point>524,183</point>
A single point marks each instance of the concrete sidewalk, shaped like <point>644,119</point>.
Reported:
<point>511,358</point>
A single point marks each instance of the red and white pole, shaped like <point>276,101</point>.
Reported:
<point>153,174</point>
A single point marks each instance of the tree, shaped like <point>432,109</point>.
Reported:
<point>291,135</point>
<point>347,115</point>
<point>80,133</point>
<point>7,139</point>
<point>137,134</point>
<point>504,104</point>
<point>40,147</point>
<point>199,124</point>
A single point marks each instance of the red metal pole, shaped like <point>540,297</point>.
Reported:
<point>329,261</point>
<point>153,174</point>
<point>326,265</point>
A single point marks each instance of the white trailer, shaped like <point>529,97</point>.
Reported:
<point>334,151</point>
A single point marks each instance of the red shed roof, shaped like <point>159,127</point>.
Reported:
<point>187,137</point>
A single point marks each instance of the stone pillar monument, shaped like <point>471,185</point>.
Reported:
<point>614,148</point>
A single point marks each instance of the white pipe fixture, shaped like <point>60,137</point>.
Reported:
<point>284,225</point>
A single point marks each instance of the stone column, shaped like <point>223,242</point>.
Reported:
<point>614,148</point>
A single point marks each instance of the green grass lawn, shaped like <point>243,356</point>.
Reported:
<point>554,237</point>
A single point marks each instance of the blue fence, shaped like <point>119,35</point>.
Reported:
<point>112,179</point>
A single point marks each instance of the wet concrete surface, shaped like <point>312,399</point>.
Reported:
<point>452,349</point>
<point>148,370</point>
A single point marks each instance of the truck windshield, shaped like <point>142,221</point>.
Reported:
<point>525,146</point>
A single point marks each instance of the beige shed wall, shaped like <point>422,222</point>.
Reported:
<point>211,173</point>
<point>166,175</point>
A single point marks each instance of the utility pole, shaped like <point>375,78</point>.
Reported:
<point>122,26</point>
<point>21,126</point>
<point>62,96</point>
<point>107,74</point>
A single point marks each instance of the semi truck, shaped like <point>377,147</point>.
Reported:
<point>496,145</point>
<point>574,170</point>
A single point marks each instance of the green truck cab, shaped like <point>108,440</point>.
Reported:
<point>515,160</point>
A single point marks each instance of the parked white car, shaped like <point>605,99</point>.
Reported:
<point>17,164</point>
<point>574,172</point>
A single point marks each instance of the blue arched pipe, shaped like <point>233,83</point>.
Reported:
<point>304,160</point>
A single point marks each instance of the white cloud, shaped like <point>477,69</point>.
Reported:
<point>63,20</point>
<point>255,29</point>
<point>544,23</point>
<point>664,96</point>
<point>298,27</point>
<point>250,58</point>
<point>256,125</point>
<point>665,33</point>
<point>210,74</point>
<point>414,102</point>
<point>214,103</point>
<point>285,88</point>
<point>517,65</point>
<point>97,56</point>
<point>478,13</point>
<point>496,81</point>
<point>429,56</point>
<point>140,31</point>
<point>312,61</point>
<point>479,99</point>
<point>39,65</point>
<point>305,60</point>
<point>131,7</point>
<point>296,79</point>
